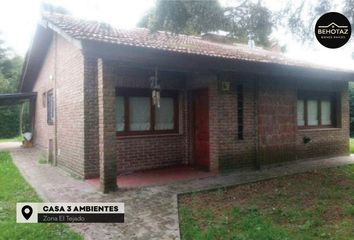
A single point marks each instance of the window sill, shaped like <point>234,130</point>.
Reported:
<point>153,135</point>
<point>319,129</point>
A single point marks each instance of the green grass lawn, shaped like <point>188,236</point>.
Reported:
<point>14,139</point>
<point>352,145</point>
<point>13,189</point>
<point>314,205</point>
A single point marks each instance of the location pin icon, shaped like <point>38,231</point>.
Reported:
<point>27,211</point>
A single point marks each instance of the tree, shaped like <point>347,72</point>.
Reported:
<point>300,17</point>
<point>196,17</point>
<point>3,49</point>
<point>351,107</point>
<point>349,11</point>
<point>10,69</point>
<point>47,7</point>
<point>183,16</point>
<point>249,18</point>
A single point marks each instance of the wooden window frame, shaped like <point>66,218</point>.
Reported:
<point>126,93</point>
<point>50,121</point>
<point>318,97</point>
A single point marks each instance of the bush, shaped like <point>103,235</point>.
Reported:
<point>10,120</point>
<point>351,105</point>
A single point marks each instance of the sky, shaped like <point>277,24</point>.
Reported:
<point>18,19</point>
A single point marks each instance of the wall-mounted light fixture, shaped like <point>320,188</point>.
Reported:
<point>156,89</point>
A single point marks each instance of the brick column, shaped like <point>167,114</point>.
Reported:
<point>107,133</point>
<point>214,122</point>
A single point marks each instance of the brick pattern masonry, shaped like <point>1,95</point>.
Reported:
<point>269,117</point>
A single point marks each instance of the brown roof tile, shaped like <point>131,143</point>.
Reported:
<point>141,37</point>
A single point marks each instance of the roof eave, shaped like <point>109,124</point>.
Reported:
<point>182,61</point>
<point>46,24</point>
<point>40,41</point>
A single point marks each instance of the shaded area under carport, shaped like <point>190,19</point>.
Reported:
<point>20,98</point>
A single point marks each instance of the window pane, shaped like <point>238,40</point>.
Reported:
<point>312,112</point>
<point>164,116</point>
<point>326,113</point>
<point>300,113</point>
<point>119,114</point>
<point>50,107</point>
<point>139,113</point>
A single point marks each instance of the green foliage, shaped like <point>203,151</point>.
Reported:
<point>348,11</point>
<point>351,108</point>
<point>9,121</point>
<point>249,18</point>
<point>14,139</point>
<point>351,145</point>
<point>13,189</point>
<point>236,224</point>
<point>283,208</point>
<point>196,17</point>
<point>300,17</point>
<point>10,70</point>
<point>183,16</point>
<point>48,7</point>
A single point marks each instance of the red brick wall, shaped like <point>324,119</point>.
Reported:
<point>144,152</point>
<point>234,152</point>
<point>280,139</point>
<point>274,100</point>
<point>277,100</point>
<point>91,117</point>
<point>276,125</point>
<point>42,131</point>
<point>64,62</point>
<point>70,107</point>
<point>226,150</point>
<point>326,142</point>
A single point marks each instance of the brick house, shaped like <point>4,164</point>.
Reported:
<point>222,106</point>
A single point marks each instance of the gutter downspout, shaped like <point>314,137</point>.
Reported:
<point>55,160</point>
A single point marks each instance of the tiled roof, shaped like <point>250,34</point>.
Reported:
<point>141,37</point>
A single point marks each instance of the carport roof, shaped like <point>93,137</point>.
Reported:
<point>15,98</point>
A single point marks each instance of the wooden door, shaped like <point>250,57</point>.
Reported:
<point>201,128</point>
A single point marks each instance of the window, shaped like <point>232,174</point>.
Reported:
<point>164,116</point>
<point>300,112</point>
<point>136,115</point>
<point>326,112</point>
<point>139,113</point>
<point>120,114</point>
<point>240,112</point>
<point>50,107</point>
<point>316,109</point>
<point>312,113</point>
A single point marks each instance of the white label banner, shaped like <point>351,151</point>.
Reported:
<point>69,212</point>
